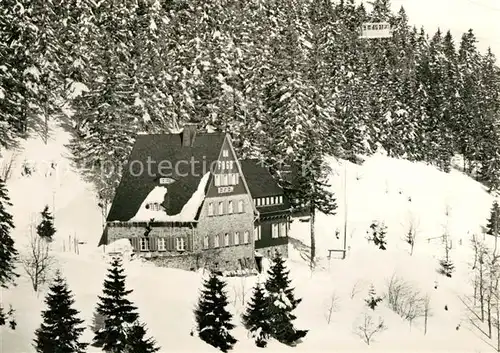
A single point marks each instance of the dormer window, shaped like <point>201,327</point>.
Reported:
<point>225,153</point>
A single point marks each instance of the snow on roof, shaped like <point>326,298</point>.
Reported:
<point>157,195</point>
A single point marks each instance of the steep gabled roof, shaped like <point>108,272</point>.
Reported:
<point>262,184</point>
<point>163,155</point>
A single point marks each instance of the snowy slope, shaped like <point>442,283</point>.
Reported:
<point>380,189</point>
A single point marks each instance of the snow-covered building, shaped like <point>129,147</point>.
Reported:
<point>186,201</point>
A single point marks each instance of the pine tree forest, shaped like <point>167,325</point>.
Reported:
<point>279,76</point>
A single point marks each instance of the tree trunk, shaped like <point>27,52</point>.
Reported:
<point>481,289</point>
<point>498,326</point>
<point>475,290</point>
<point>313,237</point>
<point>489,315</point>
<point>425,322</point>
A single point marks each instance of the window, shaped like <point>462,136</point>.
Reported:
<point>161,244</point>
<point>280,199</point>
<point>230,165</point>
<point>210,208</point>
<point>283,229</point>
<point>230,207</point>
<point>205,242</point>
<point>256,233</point>
<point>221,207</point>
<point>224,179</point>
<point>240,206</point>
<point>154,206</point>
<point>226,239</point>
<point>220,165</point>
<point>180,244</point>
<point>225,153</point>
<point>144,244</point>
<point>274,230</point>
<point>258,202</point>
<point>246,236</point>
<point>236,238</point>
<point>216,241</point>
<point>268,200</point>
<point>217,179</point>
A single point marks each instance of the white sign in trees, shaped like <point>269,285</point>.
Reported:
<point>376,30</point>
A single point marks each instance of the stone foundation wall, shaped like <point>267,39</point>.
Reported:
<point>230,258</point>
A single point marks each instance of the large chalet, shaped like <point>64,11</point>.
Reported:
<point>186,201</point>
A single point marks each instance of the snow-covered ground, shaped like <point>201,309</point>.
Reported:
<point>396,192</point>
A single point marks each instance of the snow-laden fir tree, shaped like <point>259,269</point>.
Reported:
<point>7,316</point>
<point>373,299</point>
<point>256,317</point>
<point>281,303</point>
<point>446,265</point>
<point>137,342</point>
<point>118,312</point>
<point>61,329</point>
<point>46,228</point>
<point>379,230</point>
<point>8,253</point>
<point>493,225</point>
<point>212,318</point>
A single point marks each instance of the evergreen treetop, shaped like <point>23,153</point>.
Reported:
<point>118,312</point>
<point>137,341</point>
<point>257,317</point>
<point>493,226</point>
<point>61,328</point>
<point>46,228</point>
<point>281,303</point>
<point>212,318</point>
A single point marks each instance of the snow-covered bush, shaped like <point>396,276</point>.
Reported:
<point>366,328</point>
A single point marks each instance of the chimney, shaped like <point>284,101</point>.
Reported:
<point>188,134</point>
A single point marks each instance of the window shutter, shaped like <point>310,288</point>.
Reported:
<point>171,243</point>
<point>189,243</point>
<point>136,244</point>
<point>153,243</point>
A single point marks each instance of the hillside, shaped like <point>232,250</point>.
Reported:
<point>380,189</point>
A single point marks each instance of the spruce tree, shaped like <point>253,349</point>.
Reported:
<point>493,226</point>
<point>373,299</point>
<point>118,312</point>
<point>137,341</point>
<point>61,328</point>
<point>281,303</point>
<point>256,318</point>
<point>378,235</point>
<point>212,318</point>
<point>46,228</point>
<point>8,254</point>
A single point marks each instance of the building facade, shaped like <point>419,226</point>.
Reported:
<point>208,209</point>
